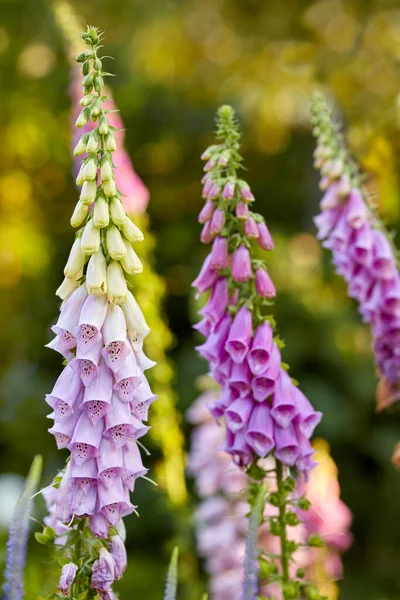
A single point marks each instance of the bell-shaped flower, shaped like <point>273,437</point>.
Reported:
<point>67,577</point>
<point>239,338</point>
<point>238,413</point>
<point>261,348</point>
<point>110,462</point>
<point>86,362</point>
<point>64,394</point>
<point>287,445</point>
<point>263,385</point>
<point>260,430</point>
<point>90,322</point>
<point>86,439</point>
<point>116,346</point>
<point>128,377</point>
<point>284,406</point>
<point>97,395</point>
<point>103,571</point>
<point>118,552</point>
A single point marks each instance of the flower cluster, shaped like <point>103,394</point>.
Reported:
<point>221,525</point>
<point>101,399</point>
<point>363,253</point>
<point>263,408</point>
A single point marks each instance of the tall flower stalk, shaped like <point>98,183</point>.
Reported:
<point>363,251</point>
<point>100,401</point>
<point>264,411</point>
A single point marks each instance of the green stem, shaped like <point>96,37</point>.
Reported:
<point>282,524</point>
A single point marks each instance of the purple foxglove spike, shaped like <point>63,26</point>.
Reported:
<point>217,304</point>
<point>64,430</point>
<point>99,525</point>
<point>204,327</point>
<point>88,470</point>
<point>390,290</point>
<point>118,552</point>
<point>239,337</point>
<point>260,430</point>
<point>261,348</point>
<point>128,378</point>
<point>240,379</point>
<point>206,212</point>
<point>284,407</point>
<point>97,395</point>
<point>383,262</point>
<point>206,237</point>
<point>264,237</point>
<point>331,198</point>
<point>103,571</point>
<point>114,502</point>
<point>217,222</point>
<point>71,310</point>
<point>86,439</point>
<point>238,413</point>
<point>242,211</point>
<point>229,191</point>
<point>207,276</point>
<point>143,361</point>
<point>241,267</point>
<point>356,209</point>
<point>251,229</point>
<point>213,348</point>
<point>264,285</point>
<point>326,221</point>
<point>116,345</point>
<point>263,385</point>
<point>63,344</point>
<point>91,320</point>
<point>361,244</point>
<point>287,445</point>
<point>143,393</point>
<point>68,573</point>
<point>133,466</point>
<point>64,393</point>
<point>219,253</point>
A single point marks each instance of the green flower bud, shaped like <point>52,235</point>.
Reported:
<point>103,125</point>
<point>117,211</point>
<point>303,503</point>
<point>79,178</point>
<point>86,100</point>
<point>291,519</point>
<point>88,192</point>
<point>110,142</point>
<point>67,287</point>
<point>114,242</point>
<point>106,171</point>
<point>90,170</point>
<point>131,262</point>
<point>101,216</point>
<point>98,83</point>
<point>312,593</point>
<point>86,68</point>
<point>84,56</point>
<point>92,145</point>
<point>109,187</point>
<point>117,290</point>
<point>98,65</point>
<point>76,260</point>
<point>79,214</point>
<point>96,109</point>
<point>87,81</point>
<point>90,241</point>
<point>80,148</point>
<point>131,232</point>
<point>83,117</point>
<point>96,274</point>
<point>300,573</point>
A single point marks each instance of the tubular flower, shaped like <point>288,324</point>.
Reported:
<point>362,251</point>
<point>221,526</point>
<point>265,413</point>
<point>101,399</point>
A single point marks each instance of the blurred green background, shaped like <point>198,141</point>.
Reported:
<point>176,61</point>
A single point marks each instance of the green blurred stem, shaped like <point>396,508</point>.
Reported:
<point>282,523</point>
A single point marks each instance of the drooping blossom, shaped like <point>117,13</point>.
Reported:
<point>220,521</point>
<point>362,251</point>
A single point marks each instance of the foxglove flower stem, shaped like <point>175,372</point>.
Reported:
<point>265,412</point>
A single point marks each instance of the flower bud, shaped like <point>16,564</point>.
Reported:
<point>246,193</point>
<point>206,212</point>
<point>131,262</point>
<point>90,241</point>
<point>84,56</point>
<point>90,170</point>
<point>96,108</point>
<point>79,178</point>
<point>68,286</point>
<point>110,142</point>
<point>109,187</point>
<point>228,191</point>
<point>98,83</point>
<point>86,68</point>
<point>117,211</point>
<point>83,117</point>
<point>88,192</point>
<point>80,148</point>
<point>68,573</point>
<point>101,216</point>
<point>87,81</point>
<point>115,245</point>
<point>106,170</point>
<point>79,214</point>
<point>92,145</point>
<point>117,290</point>
<point>131,232</point>
<point>242,211</point>
<point>103,125</point>
<point>96,274</point>
<point>135,321</point>
<point>98,65</point>
<point>217,222</point>
<point>264,237</point>
<point>86,100</point>
<point>76,260</point>
<point>264,285</point>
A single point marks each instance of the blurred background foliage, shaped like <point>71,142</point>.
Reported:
<point>175,61</point>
